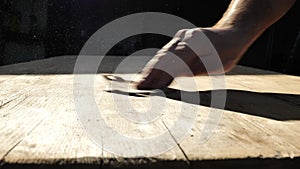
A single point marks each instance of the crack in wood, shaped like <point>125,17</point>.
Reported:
<point>15,145</point>
<point>178,145</point>
<point>18,96</point>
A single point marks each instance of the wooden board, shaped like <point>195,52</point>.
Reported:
<point>39,126</point>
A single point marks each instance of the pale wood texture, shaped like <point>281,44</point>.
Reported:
<point>39,125</point>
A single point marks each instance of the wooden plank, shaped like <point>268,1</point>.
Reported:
<point>61,138</point>
<point>261,120</point>
<point>58,132</point>
<point>17,124</point>
<point>170,158</point>
<point>39,126</point>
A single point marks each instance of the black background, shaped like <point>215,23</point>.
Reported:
<point>68,19</point>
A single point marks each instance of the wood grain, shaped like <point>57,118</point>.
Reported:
<point>39,124</point>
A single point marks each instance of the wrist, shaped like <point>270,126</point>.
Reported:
<point>247,32</point>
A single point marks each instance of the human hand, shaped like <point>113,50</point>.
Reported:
<point>192,52</point>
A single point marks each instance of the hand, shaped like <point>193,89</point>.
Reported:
<point>177,58</point>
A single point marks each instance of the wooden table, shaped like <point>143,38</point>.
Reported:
<point>39,128</point>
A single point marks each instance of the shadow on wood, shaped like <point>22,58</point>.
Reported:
<point>274,106</point>
<point>249,163</point>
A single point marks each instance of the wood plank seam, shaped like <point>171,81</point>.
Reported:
<point>178,144</point>
<point>19,99</point>
<point>2,162</point>
<point>13,98</point>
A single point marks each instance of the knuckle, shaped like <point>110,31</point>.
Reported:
<point>181,32</point>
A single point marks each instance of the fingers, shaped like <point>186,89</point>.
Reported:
<point>175,59</point>
<point>155,76</point>
<point>166,68</point>
<point>156,79</point>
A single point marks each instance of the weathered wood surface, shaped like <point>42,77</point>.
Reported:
<point>38,122</point>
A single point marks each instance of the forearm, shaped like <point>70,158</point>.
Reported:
<point>253,17</point>
<point>243,22</point>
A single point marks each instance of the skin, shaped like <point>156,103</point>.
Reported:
<point>242,23</point>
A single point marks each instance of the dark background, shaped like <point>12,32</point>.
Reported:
<point>37,29</point>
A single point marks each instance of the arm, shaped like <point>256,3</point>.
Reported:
<point>253,16</point>
<point>242,23</point>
